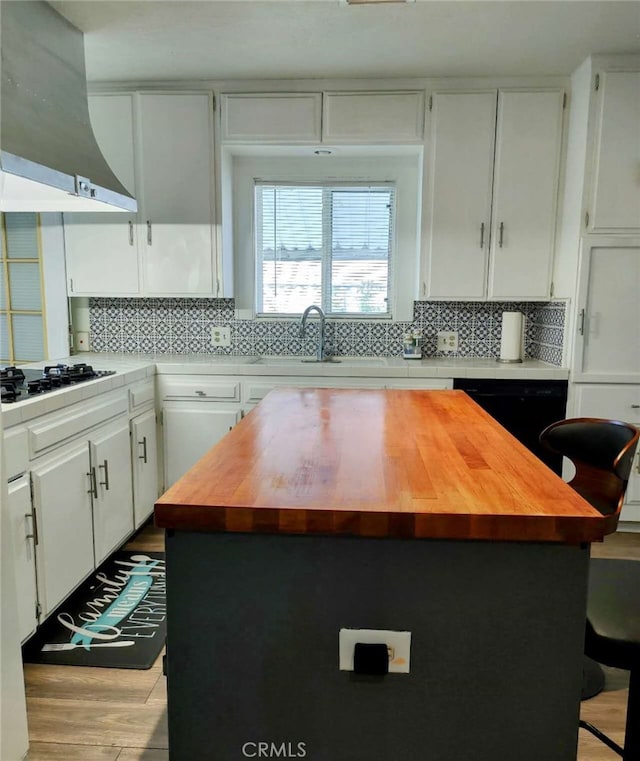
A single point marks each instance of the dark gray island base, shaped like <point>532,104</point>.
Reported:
<point>329,509</point>
<point>497,631</point>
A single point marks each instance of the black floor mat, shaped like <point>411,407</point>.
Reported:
<point>115,619</point>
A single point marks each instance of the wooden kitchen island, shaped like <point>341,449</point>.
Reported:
<point>397,510</point>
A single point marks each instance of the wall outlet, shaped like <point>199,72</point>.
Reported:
<point>221,336</point>
<point>448,340</point>
<point>398,645</point>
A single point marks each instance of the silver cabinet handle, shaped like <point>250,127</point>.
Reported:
<point>149,235</point>
<point>581,329</point>
<point>635,406</point>
<point>638,468</point>
<point>482,235</point>
<point>93,486</point>
<point>200,393</point>
<point>105,483</point>
<point>143,444</point>
<point>34,520</point>
<point>130,233</point>
<point>501,240</point>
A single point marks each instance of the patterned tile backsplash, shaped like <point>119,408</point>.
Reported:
<point>183,326</point>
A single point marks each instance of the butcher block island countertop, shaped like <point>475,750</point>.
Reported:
<point>377,463</point>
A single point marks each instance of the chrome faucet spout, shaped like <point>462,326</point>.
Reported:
<point>320,353</point>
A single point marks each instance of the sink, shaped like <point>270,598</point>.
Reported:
<point>365,361</point>
<point>293,361</point>
<point>359,361</point>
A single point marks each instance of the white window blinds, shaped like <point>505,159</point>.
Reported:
<point>323,244</point>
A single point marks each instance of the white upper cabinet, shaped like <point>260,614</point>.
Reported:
<point>330,117</point>
<point>271,117</point>
<point>458,216</point>
<point>161,147</point>
<point>607,346</point>
<point>373,117</point>
<point>490,211</point>
<point>177,194</point>
<point>614,204</point>
<point>525,192</point>
<point>101,248</point>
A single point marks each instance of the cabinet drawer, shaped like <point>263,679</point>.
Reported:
<point>271,118</point>
<point>16,448</point>
<point>202,388</point>
<point>141,396</point>
<point>57,428</point>
<point>386,117</point>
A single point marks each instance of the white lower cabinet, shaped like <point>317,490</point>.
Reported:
<point>23,538</point>
<point>74,475</point>
<point>190,430</point>
<point>62,503</point>
<point>111,488</point>
<point>144,465</point>
<point>614,401</point>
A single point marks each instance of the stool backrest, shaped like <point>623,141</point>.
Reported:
<point>602,452</point>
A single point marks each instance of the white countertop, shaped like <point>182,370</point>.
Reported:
<point>136,367</point>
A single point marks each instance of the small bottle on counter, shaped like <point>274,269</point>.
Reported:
<point>412,345</point>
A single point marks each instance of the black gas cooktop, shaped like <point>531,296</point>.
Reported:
<point>19,383</point>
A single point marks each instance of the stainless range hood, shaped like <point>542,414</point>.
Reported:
<point>49,158</point>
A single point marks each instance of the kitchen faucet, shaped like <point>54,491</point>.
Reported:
<point>320,353</point>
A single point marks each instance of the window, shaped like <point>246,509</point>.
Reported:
<point>325,244</point>
<point>21,309</point>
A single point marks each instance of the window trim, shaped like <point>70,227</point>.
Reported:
<point>238,172</point>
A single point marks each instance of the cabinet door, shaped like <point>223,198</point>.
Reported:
<point>373,117</point>
<point>615,402</point>
<point>608,324</point>
<point>62,503</point>
<point>144,462</point>
<point>615,205</point>
<point>190,430</point>
<point>112,500</point>
<point>459,207</point>
<point>101,248</point>
<point>22,538</point>
<point>177,194</point>
<point>525,189</point>
<point>271,117</point>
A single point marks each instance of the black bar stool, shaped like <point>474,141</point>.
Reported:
<point>602,452</point>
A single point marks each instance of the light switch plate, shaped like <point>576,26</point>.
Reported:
<point>221,336</point>
<point>398,645</point>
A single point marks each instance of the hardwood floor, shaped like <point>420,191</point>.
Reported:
<point>85,714</point>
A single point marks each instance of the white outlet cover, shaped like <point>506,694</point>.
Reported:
<point>447,341</point>
<point>398,642</point>
<point>221,336</point>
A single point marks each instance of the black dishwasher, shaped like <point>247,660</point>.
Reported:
<point>524,407</point>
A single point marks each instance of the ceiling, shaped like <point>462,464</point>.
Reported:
<point>267,39</point>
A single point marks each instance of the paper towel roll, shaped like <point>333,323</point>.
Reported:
<point>511,338</point>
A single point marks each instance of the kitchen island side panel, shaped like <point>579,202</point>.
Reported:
<point>496,651</point>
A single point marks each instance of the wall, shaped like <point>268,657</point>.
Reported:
<point>183,326</point>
